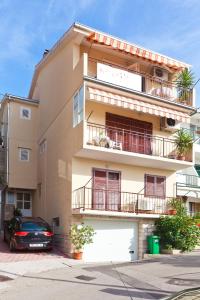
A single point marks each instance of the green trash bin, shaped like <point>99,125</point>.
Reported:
<point>153,242</point>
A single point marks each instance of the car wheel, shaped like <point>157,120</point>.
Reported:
<point>11,246</point>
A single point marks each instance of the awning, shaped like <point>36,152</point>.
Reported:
<point>135,50</point>
<point>130,103</point>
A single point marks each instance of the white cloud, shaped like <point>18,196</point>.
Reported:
<point>25,27</point>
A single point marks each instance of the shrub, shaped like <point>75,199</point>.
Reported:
<point>178,232</point>
<point>81,235</point>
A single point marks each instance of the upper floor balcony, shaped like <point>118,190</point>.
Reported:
<point>134,148</point>
<point>132,141</point>
<point>137,134</point>
<point>154,82</point>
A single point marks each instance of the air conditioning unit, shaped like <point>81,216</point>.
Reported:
<point>169,124</point>
<point>160,73</point>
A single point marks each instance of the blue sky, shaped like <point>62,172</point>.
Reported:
<point>27,27</point>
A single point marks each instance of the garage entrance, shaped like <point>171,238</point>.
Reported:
<point>114,241</point>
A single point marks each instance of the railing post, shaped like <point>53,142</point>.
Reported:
<point>84,198</point>
<point>163,147</point>
<point>137,204</point>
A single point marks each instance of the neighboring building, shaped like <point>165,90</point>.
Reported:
<point>18,154</point>
<point>188,180</point>
<point>106,154</point>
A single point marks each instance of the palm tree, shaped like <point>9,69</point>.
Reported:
<point>184,142</point>
<point>184,83</point>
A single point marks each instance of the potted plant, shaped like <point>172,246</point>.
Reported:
<point>172,206</point>
<point>104,140</point>
<point>176,206</point>
<point>183,142</point>
<point>184,82</point>
<point>80,235</point>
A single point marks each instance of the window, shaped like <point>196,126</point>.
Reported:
<point>155,185</point>
<point>78,107</point>
<point>24,200</point>
<point>43,146</point>
<point>24,154</point>
<point>35,226</point>
<point>25,113</point>
<point>10,198</point>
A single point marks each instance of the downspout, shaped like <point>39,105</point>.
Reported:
<point>8,129</point>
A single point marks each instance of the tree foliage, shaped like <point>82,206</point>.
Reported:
<point>178,232</point>
<point>81,235</point>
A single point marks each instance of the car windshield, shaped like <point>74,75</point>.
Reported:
<point>32,226</point>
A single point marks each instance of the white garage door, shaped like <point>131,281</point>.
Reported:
<point>113,241</point>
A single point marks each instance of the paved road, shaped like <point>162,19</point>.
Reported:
<point>147,280</point>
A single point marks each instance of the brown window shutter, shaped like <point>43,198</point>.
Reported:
<point>149,185</point>
<point>160,186</point>
<point>155,185</point>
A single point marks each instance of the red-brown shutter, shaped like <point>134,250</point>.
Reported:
<point>160,186</point>
<point>99,189</point>
<point>113,194</point>
<point>155,185</point>
<point>106,190</point>
<point>135,135</point>
<point>149,185</point>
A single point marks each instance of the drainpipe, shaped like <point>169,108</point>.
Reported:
<point>7,151</point>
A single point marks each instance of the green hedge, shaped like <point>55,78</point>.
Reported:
<point>178,232</point>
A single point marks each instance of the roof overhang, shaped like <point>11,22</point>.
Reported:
<point>135,50</point>
<point>9,97</point>
<point>85,33</point>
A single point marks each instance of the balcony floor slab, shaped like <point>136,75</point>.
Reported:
<point>130,158</point>
<point>117,214</point>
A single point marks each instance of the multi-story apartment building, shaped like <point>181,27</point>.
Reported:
<point>105,154</point>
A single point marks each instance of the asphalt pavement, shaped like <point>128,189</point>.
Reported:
<point>150,279</point>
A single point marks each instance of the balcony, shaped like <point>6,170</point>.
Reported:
<point>128,147</point>
<point>140,82</point>
<point>90,199</point>
<point>188,180</point>
<point>189,186</point>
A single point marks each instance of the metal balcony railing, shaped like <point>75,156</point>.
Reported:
<point>117,201</point>
<point>187,180</point>
<point>131,141</point>
<point>151,85</point>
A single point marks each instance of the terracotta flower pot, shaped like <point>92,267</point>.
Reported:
<point>181,157</point>
<point>172,211</point>
<point>78,255</point>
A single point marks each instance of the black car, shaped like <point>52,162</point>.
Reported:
<point>28,233</point>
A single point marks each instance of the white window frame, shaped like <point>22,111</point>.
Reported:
<point>78,100</point>
<point>20,154</point>
<point>8,198</point>
<point>23,200</point>
<point>22,108</point>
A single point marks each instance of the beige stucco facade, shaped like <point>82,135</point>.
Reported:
<point>60,158</point>
<point>22,134</point>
